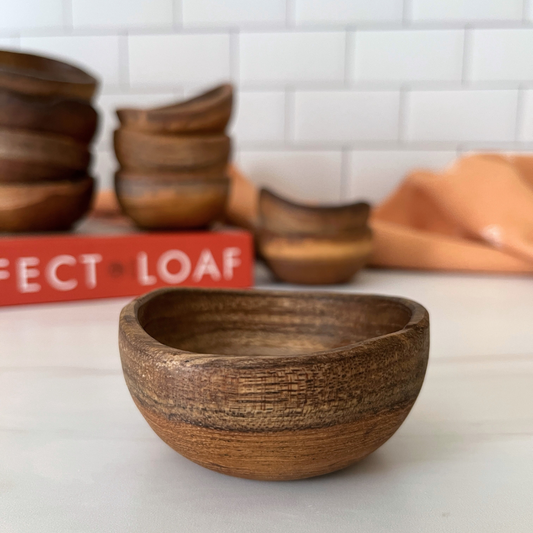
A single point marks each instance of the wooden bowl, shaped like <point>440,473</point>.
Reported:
<point>166,205</point>
<point>273,385</point>
<point>212,172</point>
<point>44,206</point>
<point>280,215</point>
<point>28,156</point>
<point>315,260</point>
<point>135,149</point>
<point>34,74</point>
<point>208,112</point>
<point>313,245</point>
<point>63,116</point>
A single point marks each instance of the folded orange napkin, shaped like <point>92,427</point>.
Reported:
<point>477,215</point>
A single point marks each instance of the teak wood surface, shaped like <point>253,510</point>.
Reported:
<point>136,149</point>
<point>34,74</point>
<point>312,245</point>
<point>154,204</point>
<point>27,155</point>
<point>273,385</point>
<point>63,116</point>
<point>208,112</point>
<point>44,206</point>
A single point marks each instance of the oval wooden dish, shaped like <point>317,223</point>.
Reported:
<point>135,149</point>
<point>273,385</point>
<point>208,112</point>
<point>313,245</point>
<point>28,156</point>
<point>35,74</point>
<point>62,116</point>
<point>44,206</point>
<point>153,204</point>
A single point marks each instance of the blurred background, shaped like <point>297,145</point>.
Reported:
<point>335,100</point>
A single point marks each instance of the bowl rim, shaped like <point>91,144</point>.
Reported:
<point>141,341</point>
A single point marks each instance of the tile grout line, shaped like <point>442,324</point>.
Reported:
<point>349,56</point>
<point>402,114</point>
<point>290,97</point>
<point>407,13</point>
<point>290,15</point>
<point>177,14</point>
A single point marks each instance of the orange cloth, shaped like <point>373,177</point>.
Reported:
<point>476,215</point>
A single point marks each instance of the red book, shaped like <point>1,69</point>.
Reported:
<point>110,260</point>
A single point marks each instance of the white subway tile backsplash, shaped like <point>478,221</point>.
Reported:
<point>121,13</point>
<point>466,10</point>
<point>344,116</point>
<point>292,57</point>
<point>103,168</point>
<point>302,175</point>
<point>347,11</point>
<point>374,174</point>
<point>108,103</point>
<point>98,54</point>
<point>259,116</point>
<point>526,117</point>
<point>408,55</point>
<point>9,43</point>
<point>31,14</point>
<point>232,12</point>
<point>156,60</point>
<point>501,55</point>
<point>461,115</point>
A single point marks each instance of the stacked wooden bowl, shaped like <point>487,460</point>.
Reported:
<point>313,245</point>
<point>46,125</point>
<point>173,161</point>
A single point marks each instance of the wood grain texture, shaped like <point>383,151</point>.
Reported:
<point>39,75</point>
<point>44,206</point>
<point>312,245</point>
<point>26,155</point>
<point>135,149</point>
<point>154,204</point>
<point>273,385</point>
<point>213,172</point>
<point>208,112</point>
<point>63,116</point>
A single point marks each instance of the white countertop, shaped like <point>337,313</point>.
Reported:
<point>76,455</point>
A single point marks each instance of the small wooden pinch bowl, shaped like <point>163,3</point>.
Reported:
<point>27,156</point>
<point>273,385</point>
<point>208,112</point>
<point>44,206</point>
<point>63,116</point>
<point>135,149</point>
<point>182,204</point>
<point>35,74</point>
<point>313,245</point>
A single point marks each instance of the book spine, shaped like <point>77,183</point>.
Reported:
<point>69,268</point>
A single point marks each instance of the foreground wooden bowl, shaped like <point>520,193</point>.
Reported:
<point>208,112</point>
<point>27,156</point>
<point>172,205</point>
<point>135,149</point>
<point>44,206</point>
<point>34,74</point>
<point>313,245</point>
<point>273,385</point>
<point>63,116</point>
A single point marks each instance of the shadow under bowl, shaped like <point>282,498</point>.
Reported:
<point>273,385</point>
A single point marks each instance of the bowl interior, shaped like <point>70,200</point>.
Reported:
<point>259,323</point>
